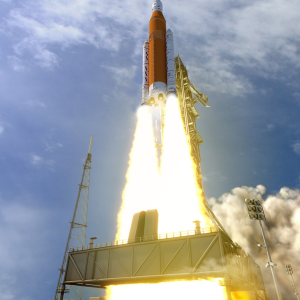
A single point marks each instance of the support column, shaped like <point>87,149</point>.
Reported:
<point>256,295</point>
<point>266,295</point>
<point>62,292</point>
<point>228,292</point>
<point>227,284</point>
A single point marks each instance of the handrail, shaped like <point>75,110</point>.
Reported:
<point>147,238</point>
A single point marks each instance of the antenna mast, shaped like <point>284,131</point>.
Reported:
<point>77,234</point>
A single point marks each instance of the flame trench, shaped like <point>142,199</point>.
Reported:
<point>172,190</point>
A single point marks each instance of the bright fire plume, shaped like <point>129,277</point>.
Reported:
<point>173,191</point>
<point>175,290</point>
<point>140,192</point>
<point>181,196</point>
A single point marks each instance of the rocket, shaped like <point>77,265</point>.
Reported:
<point>159,83</point>
<point>158,60</point>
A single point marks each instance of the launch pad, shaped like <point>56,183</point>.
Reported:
<point>186,255</point>
<point>147,257</point>
<point>179,256</point>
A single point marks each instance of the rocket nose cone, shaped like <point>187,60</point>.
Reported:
<point>157,5</point>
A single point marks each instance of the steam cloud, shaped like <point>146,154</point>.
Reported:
<point>282,230</point>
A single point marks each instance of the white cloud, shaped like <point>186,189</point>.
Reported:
<point>224,36</point>
<point>215,38</point>
<point>215,73</point>
<point>45,58</point>
<point>297,97</point>
<point>270,127</point>
<point>248,31</point>
<point>2,126</point>
<point>296,147</point>
<point>16,63</point>
<point>214,176</point>
<point>38,161</point>
<point>281,228</point>
<point>64,23</point>
<point>123,76</point>
<point>50,147</point>
<point>35,103</point>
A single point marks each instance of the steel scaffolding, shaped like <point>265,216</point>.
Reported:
<point>188,96</point>
<point>77,233</point>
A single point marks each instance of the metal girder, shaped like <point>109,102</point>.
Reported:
<point>189,113</point>
<point>188,257</point>
<point>153,261</point>
<point>202,98</point>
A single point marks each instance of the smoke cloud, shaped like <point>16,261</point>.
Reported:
<point>282,230</point>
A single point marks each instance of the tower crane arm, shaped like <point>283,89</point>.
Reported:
<point>202,98</point>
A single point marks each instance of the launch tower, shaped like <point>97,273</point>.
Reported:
<point>77,233</point>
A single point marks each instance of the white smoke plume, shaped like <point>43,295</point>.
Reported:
<point>282,229</point>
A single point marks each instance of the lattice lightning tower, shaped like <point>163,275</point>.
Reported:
<point>77,234</point>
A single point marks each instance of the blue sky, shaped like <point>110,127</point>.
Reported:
<point>72,69</point>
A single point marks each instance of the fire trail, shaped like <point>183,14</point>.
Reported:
<point>172,190</point>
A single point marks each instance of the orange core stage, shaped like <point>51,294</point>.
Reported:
<point>157,49</point>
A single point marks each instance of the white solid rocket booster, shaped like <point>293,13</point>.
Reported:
<point>145,98</point>
<point>171,80</point>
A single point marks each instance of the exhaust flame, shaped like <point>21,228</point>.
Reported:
<point>175,290</point>
<point>173,191</point>
<point>181,196</point>
<point>140,192</point>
